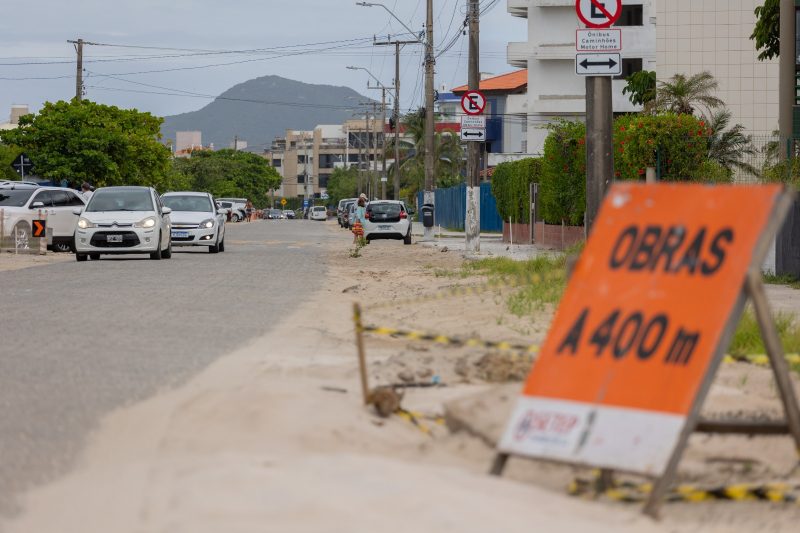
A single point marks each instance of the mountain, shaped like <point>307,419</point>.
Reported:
<point>260,109</point>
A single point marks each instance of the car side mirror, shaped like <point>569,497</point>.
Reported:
<point>166,210</point>
<point>77,211</point>
<point>220,211</point>
<point>37,205</point>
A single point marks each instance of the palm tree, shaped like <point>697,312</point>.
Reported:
<point>728,146</point>
<point>447,153</point>
<point>681,94</point>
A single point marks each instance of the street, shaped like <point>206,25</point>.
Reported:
<point>82,339</point>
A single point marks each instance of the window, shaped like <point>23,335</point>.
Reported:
<point>60,199</point>
<point>74,199</point>
<point>524,121</point>
<point>630,65</point>
<point>301,159</point>
<point>632,15</point>
<point>323,182</point>
<point>46,197</point>
<point>301,178</point>
<point>276,162</point>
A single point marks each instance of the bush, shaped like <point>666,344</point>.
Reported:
<point>563,185</point>
<point>677,142</point>
<point>712,172</point>
<point>511,187</point>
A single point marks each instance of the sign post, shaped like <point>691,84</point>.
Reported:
<point>643,326</point>
<point>596,60</point>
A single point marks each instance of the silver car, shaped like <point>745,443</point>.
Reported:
<point>196,220</point>
<point>123,220</point>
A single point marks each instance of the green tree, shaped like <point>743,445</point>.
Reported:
<point>7,156</point>
<point>343,183</point>
<point>641,87</point>
<point>683,94</point>
<point>728,146</point>
<point>231,173</point>
<point>86,141</point>
<point>767,31</point>
<point>563,185</point>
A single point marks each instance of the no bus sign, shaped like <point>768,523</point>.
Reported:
<point>598,13</point>
<point>641,326</point>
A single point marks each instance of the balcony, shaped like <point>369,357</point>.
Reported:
<point>518,8</point>
<point>555,51</point>
<point>517,54</point>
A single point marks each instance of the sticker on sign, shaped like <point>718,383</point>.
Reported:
<point>603,40</point>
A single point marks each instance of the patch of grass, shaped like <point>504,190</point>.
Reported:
<point>786,279</point>
<point>541,280</point>
<point>747,338</point>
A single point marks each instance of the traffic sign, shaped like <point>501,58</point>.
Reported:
<point>604,40</point>
<point>473,102</point>
<point>39,228</point>
<point>22,165</point>
<point>598,64</point>
<point>283,201</point>
<point>598,13</point>
<point>473,128</point>
<point>645,321</point>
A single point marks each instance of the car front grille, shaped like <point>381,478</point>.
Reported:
<point>185,226</point>
<point>183,239</point>
<point>115,225</point>
<point>100,239</point>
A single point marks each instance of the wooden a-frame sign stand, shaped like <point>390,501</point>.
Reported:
<point>753,290</point>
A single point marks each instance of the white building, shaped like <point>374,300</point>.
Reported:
<point>709,35</point>
<point>186,141</point>
<point>554,89</point>
<point>17,110</point>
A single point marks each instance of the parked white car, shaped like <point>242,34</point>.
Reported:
<point>387,219</point>
<point>23,203</point>
<point>195,220</point>
<point>318,212</point>
<point>124,220</point>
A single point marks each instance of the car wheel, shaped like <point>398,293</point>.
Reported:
<point>222,245</point>
<point>407,238</point>
<point>214,249</point>
<point>62,247</point>
<point>156,256</point>
<point>167,254</point>
<point>22,236</point>
<point>235,218</point>
<point>81,257</point>
<point>94,257</point>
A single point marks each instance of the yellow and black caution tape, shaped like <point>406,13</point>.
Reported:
<point>628,492</point>
<point>452,341</point>
<point>466,290</point>
<point>416,419</point>
<point>761,359</point>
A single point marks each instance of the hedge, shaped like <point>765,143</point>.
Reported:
<point>511,187</point>
<point>562,191</point>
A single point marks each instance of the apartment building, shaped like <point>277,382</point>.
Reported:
<point>554,90</point>
<point>714,35</point>
<point>17,110</point>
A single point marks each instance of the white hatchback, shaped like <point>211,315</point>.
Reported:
<point>387,219</point>
<point>195,220</point>
<point>124,220</point>
<point>22,204</point>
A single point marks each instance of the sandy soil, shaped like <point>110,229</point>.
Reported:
<point>274,437</point>
<point>12,261</point>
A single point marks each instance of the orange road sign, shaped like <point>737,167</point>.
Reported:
<point>643,320</point>
<point>39,228</point>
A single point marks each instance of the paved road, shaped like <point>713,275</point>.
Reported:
<point>80,339</point>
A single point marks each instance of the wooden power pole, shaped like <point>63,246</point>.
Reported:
<point>79,68</point>
<point>430,61</point>
<point>472,224</point>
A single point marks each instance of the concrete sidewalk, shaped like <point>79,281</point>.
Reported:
<point>417,230</point>
<point>492,244</point>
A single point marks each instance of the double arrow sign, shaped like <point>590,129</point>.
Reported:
<point>608,64</point>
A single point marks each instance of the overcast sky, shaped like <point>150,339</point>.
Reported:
<point>317,40</point>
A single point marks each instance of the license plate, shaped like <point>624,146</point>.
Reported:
<point>114,238</point>
<point>180,234</point>
<point>384,227</point>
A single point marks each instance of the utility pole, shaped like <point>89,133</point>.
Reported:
<point>79,68</point>
<point>366,147</point>
<point>374,147</point>
<point>396,113</point>
<point>235,143</point>
<point>383,143</point>
<point>472,224</point>
<point>599,147</point>
<point>428,195</point>
<point>787,64</point>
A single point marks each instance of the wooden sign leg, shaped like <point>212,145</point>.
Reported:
<point>499,464</point>
<point>772,342</point>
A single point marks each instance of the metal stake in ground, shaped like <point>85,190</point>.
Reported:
<point>362,362</point>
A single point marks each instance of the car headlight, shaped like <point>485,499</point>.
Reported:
<point>84,223</point>
<point>149,222</point>
<point>206,224</point>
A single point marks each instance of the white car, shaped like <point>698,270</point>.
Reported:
<point>124,220</point>
<point>318,213</point>
<point>23,203</point>
<point>195,220</point>
<point>387,219</point>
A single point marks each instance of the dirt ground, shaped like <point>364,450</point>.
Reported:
<point>12,261</point>
<point>278,440</point>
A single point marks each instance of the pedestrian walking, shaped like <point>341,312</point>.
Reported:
<point>248,210</point>
<point>361,218</point>
<point>86,191</point>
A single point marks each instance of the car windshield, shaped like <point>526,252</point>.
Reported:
<point>15,197</point>
<point>192,203</point>
<point>385,209</point>
<point>319,209</point>
<point>120,200</point>
<point>275,212</point>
